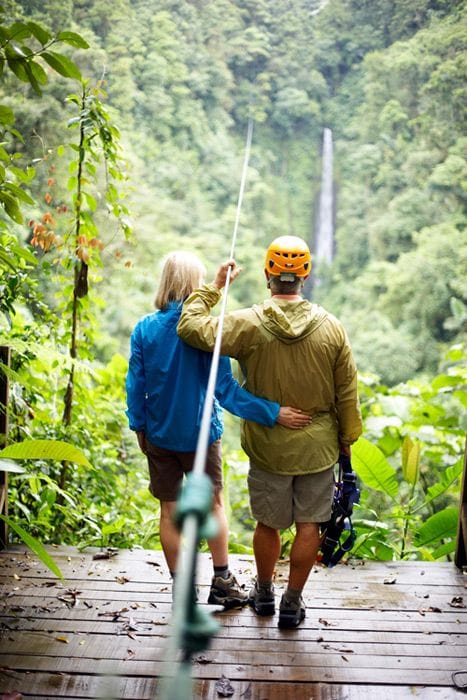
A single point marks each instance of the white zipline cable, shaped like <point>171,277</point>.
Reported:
<point>203,438</point>
<point>187,554</point>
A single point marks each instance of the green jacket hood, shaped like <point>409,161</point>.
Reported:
<point>290,321</point>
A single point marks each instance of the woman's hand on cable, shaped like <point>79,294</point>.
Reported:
<point>292,418</point>
<point>221,274</point>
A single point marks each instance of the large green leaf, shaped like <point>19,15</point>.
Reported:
<point>6,115</point>
<point>410,460</point>
<point>447,380</point>
<point>19,31</point>
<point>448,477</point>
<point>373,468</point>
<point>7,465</point>
<point>41,34</point>
<point>440,526</point>
<point>445,549</point>
<point>73,39</point>
<point>10,204</point>
<point>16,63</point>
<point>45,449</point>
<point>35,546</point>
<point>62,64</point>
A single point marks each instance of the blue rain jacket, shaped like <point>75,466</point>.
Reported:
<point>166,386</point>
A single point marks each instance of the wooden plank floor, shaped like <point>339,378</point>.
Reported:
<point>373,630</point>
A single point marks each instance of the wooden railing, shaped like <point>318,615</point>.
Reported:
<point>5,360</point>
<point>461,550</point>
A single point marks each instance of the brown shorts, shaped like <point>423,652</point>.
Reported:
<point>167,468</point>
<point>278,500</point>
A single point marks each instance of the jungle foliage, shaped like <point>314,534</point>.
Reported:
<point>131,115</point>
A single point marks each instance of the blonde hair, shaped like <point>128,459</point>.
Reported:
<point>181,273</point>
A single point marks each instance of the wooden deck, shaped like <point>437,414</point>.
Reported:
<point>374,630</point>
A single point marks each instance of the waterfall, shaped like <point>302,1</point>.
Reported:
<point>324,240</point>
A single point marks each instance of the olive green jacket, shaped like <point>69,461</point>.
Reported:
<point>293,352</point>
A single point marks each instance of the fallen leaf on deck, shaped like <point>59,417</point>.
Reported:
<point>422,611</point>
<point>109,552</point>
<point>224,687</point>
<point>342,650</point>
<point>70,597</point>
<point>121,579</point>
<point>113,613</point>
<point>457,602</point>
<point>16,577</point>
<point>324,622</point>
<point>153,563</point>
<point>130,654</point>
<point>390,580</point>
<point>132,625</point>
<point>60,638</point>
<point>44,608</point>
<point>201,659</point>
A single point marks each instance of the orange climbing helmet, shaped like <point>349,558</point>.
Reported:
<point>288,255</point>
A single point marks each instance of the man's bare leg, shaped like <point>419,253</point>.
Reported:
<point>267,548</point>
<point>303,554</point>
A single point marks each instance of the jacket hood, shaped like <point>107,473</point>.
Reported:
<point>290,321</point>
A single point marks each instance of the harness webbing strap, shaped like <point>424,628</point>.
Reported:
<point>191,627</point>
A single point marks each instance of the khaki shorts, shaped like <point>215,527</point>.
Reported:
<point>279,500</point>
<point>168,467</point>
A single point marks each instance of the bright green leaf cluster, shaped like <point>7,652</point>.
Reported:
<point>23,59</point>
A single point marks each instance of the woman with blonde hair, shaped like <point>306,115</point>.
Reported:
<point>166,388</point>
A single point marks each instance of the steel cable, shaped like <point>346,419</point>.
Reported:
<point>175,670</point>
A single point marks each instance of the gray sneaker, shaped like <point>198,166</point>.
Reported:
<point>227,592</point>
<point>291,614</point>
<point>261,599</point>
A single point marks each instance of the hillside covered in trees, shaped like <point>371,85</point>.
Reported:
<point>181,79</point>
<point>151,146</point>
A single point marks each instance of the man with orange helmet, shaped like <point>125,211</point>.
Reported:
<point>294,352</point>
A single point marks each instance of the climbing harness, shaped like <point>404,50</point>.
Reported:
<point>192,628</point>
<point>346,494</point>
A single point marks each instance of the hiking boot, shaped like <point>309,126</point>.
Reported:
<point>261,599</point>
<point>227,592</point>
<point>291,613</point>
